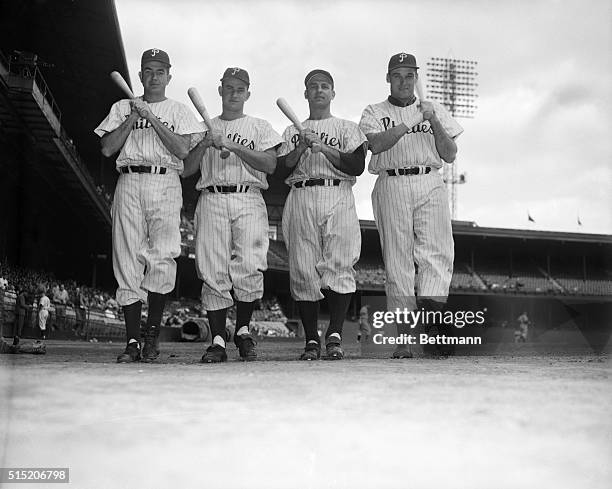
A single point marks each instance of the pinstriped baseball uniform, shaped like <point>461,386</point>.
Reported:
<point>411,211</point>
<point>146,206</point>
<point>320,223</point>
<point>232,228</point>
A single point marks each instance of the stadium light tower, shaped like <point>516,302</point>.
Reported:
<point>452,83</point>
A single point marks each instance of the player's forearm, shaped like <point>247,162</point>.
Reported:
<point>177,144</point>
<point>350,163</point>
<point>112,142</point>
<point>264,161</point>
<point>445,145</point>
<point>382,141</point>
<point>192,162</point>
<point>292,159</point>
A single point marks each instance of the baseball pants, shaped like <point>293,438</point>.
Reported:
<point>146,236</point>
<point>414,223</point>
<point>321,230</point>
<point>231,247</point>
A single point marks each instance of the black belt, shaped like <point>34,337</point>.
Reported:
<point>413,170</point>
<point>227,189</point>
<point>143,169</point>
<point>315,182</point>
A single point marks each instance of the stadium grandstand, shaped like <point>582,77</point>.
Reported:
<point>55,194</point>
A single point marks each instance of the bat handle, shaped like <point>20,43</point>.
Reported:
<point>224,152</point>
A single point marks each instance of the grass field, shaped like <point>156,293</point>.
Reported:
<point>513,419</point>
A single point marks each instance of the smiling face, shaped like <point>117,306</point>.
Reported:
<point>155,77</point>
<point>319,91</point>
<point>234,93</point>
<point>402,82</point>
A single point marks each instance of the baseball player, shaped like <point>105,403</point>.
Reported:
<point>364,324</point>
<point>44,305</point>
<point>520,334</point>
<point>231,218</point>
<point>410,140</point>
<point>320,224</point>
<point>152,134</point>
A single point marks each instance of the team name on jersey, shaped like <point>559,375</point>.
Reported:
<point>325,139</point>
<point>237,138</point>
<point>143,123</point>
<point>424,126</point>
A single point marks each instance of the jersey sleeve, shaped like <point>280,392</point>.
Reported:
<point>450,125</point>
<point>288,145</point>
<point>369,123</point>
<point>186,122</point>
<point>118,113</point>
<point>354,137</point>
<point>268,137</point>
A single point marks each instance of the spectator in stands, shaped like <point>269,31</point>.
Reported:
<point>61,300</point>
<point>80,310</point>
<point>520,334</point>
<point>363,335</point>
<point>21,311</point>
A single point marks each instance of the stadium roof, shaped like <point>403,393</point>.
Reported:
<point>77,45</point>
<point>470,228</point>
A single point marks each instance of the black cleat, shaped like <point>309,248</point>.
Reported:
<point>214,354</point>
<point>334,351</point>
<point>150,350</point>
<point>312,351</point>
<point>246,347</point>
<point>130,354</point>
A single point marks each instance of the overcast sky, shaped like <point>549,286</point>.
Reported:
<point>540,141</point>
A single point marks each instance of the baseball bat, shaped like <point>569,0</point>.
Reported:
<point>419,89</point>
<point>122,84</point>
<point>286,109</point>
<point>198,103</point>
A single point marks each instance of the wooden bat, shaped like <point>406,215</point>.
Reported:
<point>286,109</point>
<point>122,84</point>
<point>198,103</point>
<point>419,90</point>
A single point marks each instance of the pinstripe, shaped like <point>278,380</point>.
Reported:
<point>232,229</point>
<point>320,223</point>
<point>146,206</point>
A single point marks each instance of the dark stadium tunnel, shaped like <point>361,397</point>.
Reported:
<point>195,329</point>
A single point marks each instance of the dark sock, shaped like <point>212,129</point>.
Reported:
<point>244,312</point>
<point>309,314</point>
<point>338,305</point>
<point>216,321</point>
<point>131,315</point>
<point>156,309</point>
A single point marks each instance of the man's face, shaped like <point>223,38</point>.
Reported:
<point>319,91</point>
<point>155,77</point>
<point>402,82</point>
<point>234,93</point>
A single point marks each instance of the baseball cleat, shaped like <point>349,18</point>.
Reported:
<point>130,354</point>
<point>246,347</point>
<point>214,354</point>
<point>312,351</point>
<point>334,351</point>
<point>150,350</point>
<point>401,353</point>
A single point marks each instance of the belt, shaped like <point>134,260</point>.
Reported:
<point>413,170</point>
<point>161,170</point>
<point>227,189</point>
<point>316,182</point>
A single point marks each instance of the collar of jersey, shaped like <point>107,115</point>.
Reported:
<point>393,101</point>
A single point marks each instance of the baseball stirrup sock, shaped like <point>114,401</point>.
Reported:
<point>156,309</point>
<point>244,312</point>
<point>309,314</point>
<point>216,321</point>
<point>338,305</point>
<point>131,314</point>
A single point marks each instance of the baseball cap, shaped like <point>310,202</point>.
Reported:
<point>238,73</point>
<point>402,60</point>
<point>155,55</point>
<point>318,72</point>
